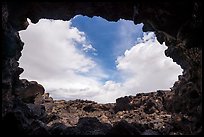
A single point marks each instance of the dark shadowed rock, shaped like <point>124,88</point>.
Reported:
<point>89,108</point>
<point>92,126</point>
<point>28,91</point>
<point>149,107</point>
<point>57,129</point>
<point>37,110</point>
<point>39,128</point>
<point>122,104</point>
<point>15,123</point>
<point>123,128</point>
<point>150,132</point>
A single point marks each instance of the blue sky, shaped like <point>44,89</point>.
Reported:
<point>107,39</point>
<point>93,59</point>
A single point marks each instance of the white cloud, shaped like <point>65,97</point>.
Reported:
<point>87,47</point>
<point>51,57</point>
<point>51,46</point>
<point>55,55</point>
<point>128,33</point>
<point>146,68</point>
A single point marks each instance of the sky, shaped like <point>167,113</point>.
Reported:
<point>93,59</point>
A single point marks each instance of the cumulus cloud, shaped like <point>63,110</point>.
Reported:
<point>146,68</point>
<point>55,55</point>
<point>51,45</point>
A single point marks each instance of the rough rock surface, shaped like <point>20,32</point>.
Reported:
<point>177,23</point>
<point>144,114</point>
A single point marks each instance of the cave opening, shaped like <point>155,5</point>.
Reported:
<point>94,59</point>
<point>177,112</point>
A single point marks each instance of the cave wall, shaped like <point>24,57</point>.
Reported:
<point>178,24</point>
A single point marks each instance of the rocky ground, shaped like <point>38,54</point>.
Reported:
<point>144,113</point>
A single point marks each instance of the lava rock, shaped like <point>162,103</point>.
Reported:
<point>28,91</point>
<point>150,132</point>
<point>89,108</point>
<point>92,126</point>
<point>57,129</point>
<point>122,104</point>
<point>39,128</point>
<point>123,128</point>
<point>37,111</point>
